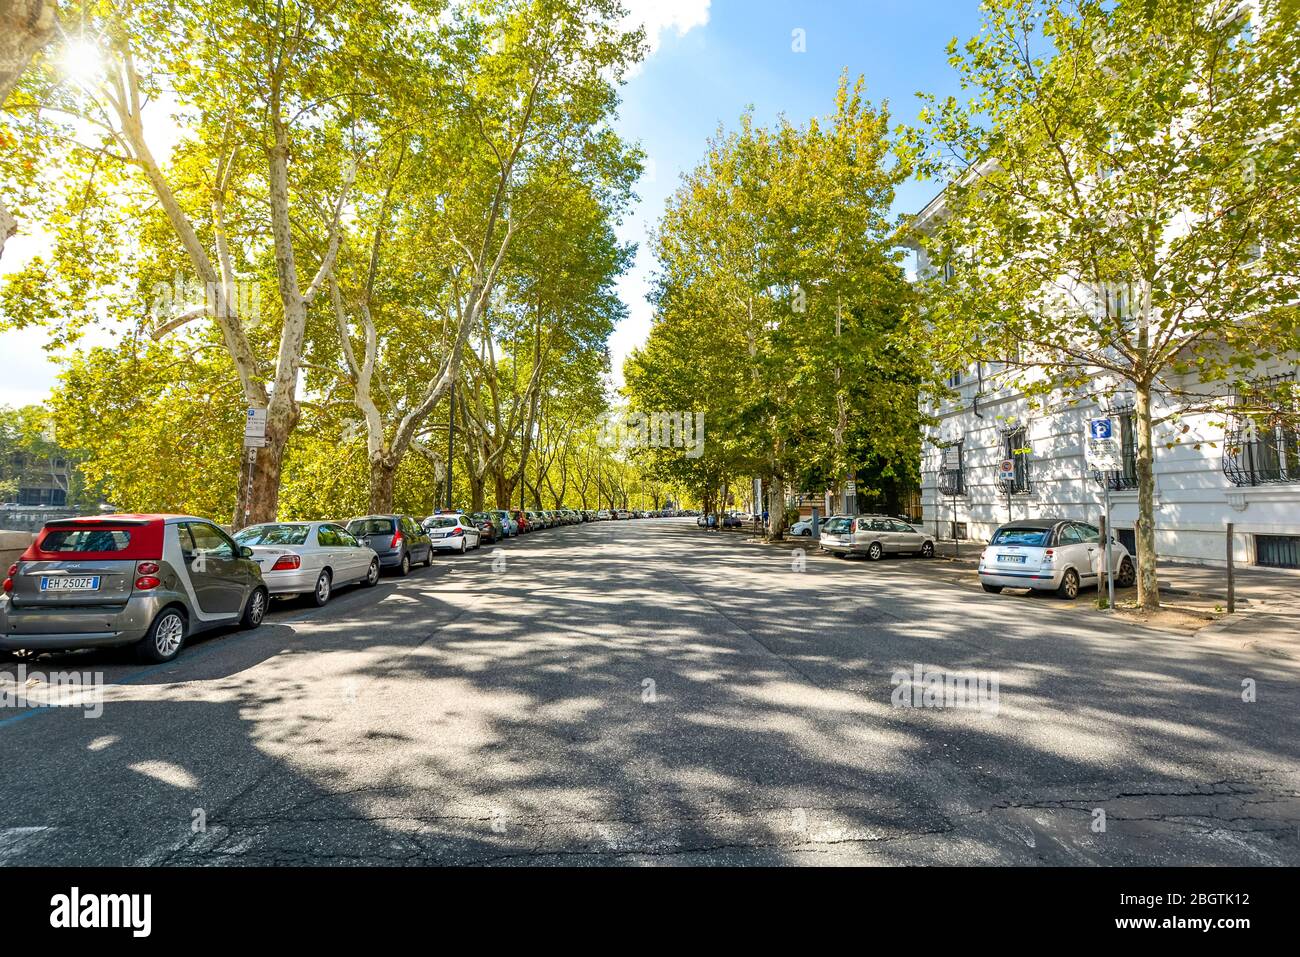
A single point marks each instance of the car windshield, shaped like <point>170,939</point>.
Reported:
<point>1033,537</point>
<point>371,526</point>
<point>86,540</point>
<point>441,521</point>
<point>273,535</point>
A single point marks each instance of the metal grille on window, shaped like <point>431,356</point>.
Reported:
<point>1015,446</point>
<point>951,479</point>
<point>1126,419</point>
<point>1262,444</point>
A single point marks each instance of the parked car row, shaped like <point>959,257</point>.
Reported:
<point>154,581</point>
<point>1040,554</point>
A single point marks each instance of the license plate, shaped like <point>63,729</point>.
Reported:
<point>85,583</point>
<point>1012,559</point>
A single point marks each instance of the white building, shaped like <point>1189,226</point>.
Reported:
<point>1208,476</point>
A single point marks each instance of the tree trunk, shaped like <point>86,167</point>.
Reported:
<point>25,27</point>
<point>259,494</point>
<point>383,473</point>
<point>1148,582</point>
<point>775,510</point>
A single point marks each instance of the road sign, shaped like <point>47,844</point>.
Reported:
<point>1007,470</point>
<point>255,429</point>
<point>1102,448</point>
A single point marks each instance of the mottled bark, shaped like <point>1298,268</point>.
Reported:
<point>25,27</point>
<point>1148,581</point>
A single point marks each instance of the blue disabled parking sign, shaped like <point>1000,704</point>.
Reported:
<point>1100,428</point>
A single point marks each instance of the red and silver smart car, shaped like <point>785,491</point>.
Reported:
<point>150,581</point>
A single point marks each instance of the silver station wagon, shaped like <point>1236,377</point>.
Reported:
<point>150,581</point>
<point>874,536</point>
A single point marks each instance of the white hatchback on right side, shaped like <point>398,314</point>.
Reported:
<point>1051,555</point>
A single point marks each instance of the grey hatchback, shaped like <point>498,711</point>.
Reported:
<point>399,540</point>
<point>145,580</point>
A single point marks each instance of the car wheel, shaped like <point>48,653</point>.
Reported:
<point>321,594</point>
<point>404,569</point>
<point>991,589</point>
<point>807,533</point>
<point>255,610</point>
<point>927,550</point>
<point>165,637</point>
<point>1069,589</point>
<point>874,551</point>
<point>372,574</point>
<point>1126,575</point>
<point>428,557</point>
<point>462,545</point>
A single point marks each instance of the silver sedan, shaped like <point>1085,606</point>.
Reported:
<point>313,558</point>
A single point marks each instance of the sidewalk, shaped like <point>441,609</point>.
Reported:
<point>1195,597</point>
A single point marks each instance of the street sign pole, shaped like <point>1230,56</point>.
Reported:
<point>1110,569</point>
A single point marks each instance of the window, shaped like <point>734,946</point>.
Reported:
<point>1015,446</point>
<point>954,379</point>
<point>1070,535</point>
<point>86,540</point>
<point>209,542</point>
<point>1262,445</point>
<point>371,526</point>
<point>1127,477</point>
<point>952,481</point>
<point>1032,537</point>
<point>273,535</point>
<point>328,537</point>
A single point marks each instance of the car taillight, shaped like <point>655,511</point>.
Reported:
<point>146,582</point>
<point>1047,555</point>
<point>13,570</point>
<point>458,530</point>
<point>146,568</point>
<point>286,563</point>
<point>397,540</point>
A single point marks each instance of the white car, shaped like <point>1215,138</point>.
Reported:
<point>313,558</point>
<point>603,515</point>
<point>1051,555</point>
<point>805,526</point>
<point>452,532</point>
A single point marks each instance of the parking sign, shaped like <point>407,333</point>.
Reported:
<point>1101,448</point>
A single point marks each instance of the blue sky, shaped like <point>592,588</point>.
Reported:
<point>742,56</point>
<point>710,60</point>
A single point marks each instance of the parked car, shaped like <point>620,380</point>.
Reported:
<point>805,526</point>
<point>509,527</point>
<point>1051,554</point>
<point>489,526</point>
<point>152,581</point>
<point>313,558</point>
<point>624,513</point>
<point>522,521</point>
<point>603,515</point>
<point>454,532</point>
<point>398,540</point>
<point>874,536</point>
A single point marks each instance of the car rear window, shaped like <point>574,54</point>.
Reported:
<point>837,525</point>
<point>1033,537</point>
<point>371,526</point>
<point>86,540</point>
<point>441,521</point>
<point>274,535</point>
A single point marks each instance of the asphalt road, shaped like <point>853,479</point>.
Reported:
<point>646,692</point>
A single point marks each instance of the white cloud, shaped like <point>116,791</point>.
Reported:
<point>660,16</point>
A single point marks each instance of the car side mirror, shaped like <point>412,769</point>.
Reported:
<point>245,551</point>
